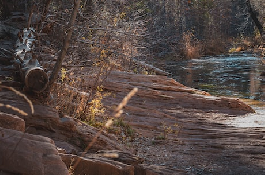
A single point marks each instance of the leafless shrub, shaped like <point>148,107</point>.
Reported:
<point>191,46</point>
<point>118,112</point>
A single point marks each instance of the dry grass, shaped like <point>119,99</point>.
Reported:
<point>74,98</point>
<point>14,109</point>
<point>194,48</point>
<point>191,46</point>
<point>68,99</point>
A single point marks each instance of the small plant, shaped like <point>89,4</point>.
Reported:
<point>63,74</point>
<point>167,130</point>
<point>119,122</point>
<point>69,98</point>
<point>123,128</point>
<point>160,137</point>
<point>174,129</point>
<point>96,107</point>
<point>232,50</point>
<point>118,112</point>
<point>71,169</point>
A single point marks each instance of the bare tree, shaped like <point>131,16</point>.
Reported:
<point>254,16</point>
<point>62,53</point>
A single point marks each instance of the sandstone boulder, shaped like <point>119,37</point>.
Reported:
<point>29,154</point>
<point>47,122</point>
<point>10,121</point>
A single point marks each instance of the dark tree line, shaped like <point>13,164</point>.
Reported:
<point>142,29</point>
<point>257,13</point>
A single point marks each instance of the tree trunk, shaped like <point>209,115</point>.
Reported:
<point>62,54</point>
<point>254,17</point>
<point>44,13</point>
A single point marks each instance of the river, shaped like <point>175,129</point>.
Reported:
<point>233,75</point>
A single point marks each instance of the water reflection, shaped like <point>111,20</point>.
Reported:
<point>189,74</point>
<point>232,75</point>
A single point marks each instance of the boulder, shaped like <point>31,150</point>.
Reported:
<point>29,154</point>
<point>10,121</point>
<point>67,123</point>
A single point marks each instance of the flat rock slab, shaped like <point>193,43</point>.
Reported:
<point>160,90</point>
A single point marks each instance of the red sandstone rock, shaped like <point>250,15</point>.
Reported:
<point>29,154</point>
<point>10,121</point>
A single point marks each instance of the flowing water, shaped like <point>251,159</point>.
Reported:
<point>235,75</point>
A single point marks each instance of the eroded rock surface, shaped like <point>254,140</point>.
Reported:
<point>170,92</point>
<point>160,104</point>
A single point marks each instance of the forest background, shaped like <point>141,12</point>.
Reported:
<point>122,30</point>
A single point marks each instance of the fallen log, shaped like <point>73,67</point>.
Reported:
<point>32,73</point>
